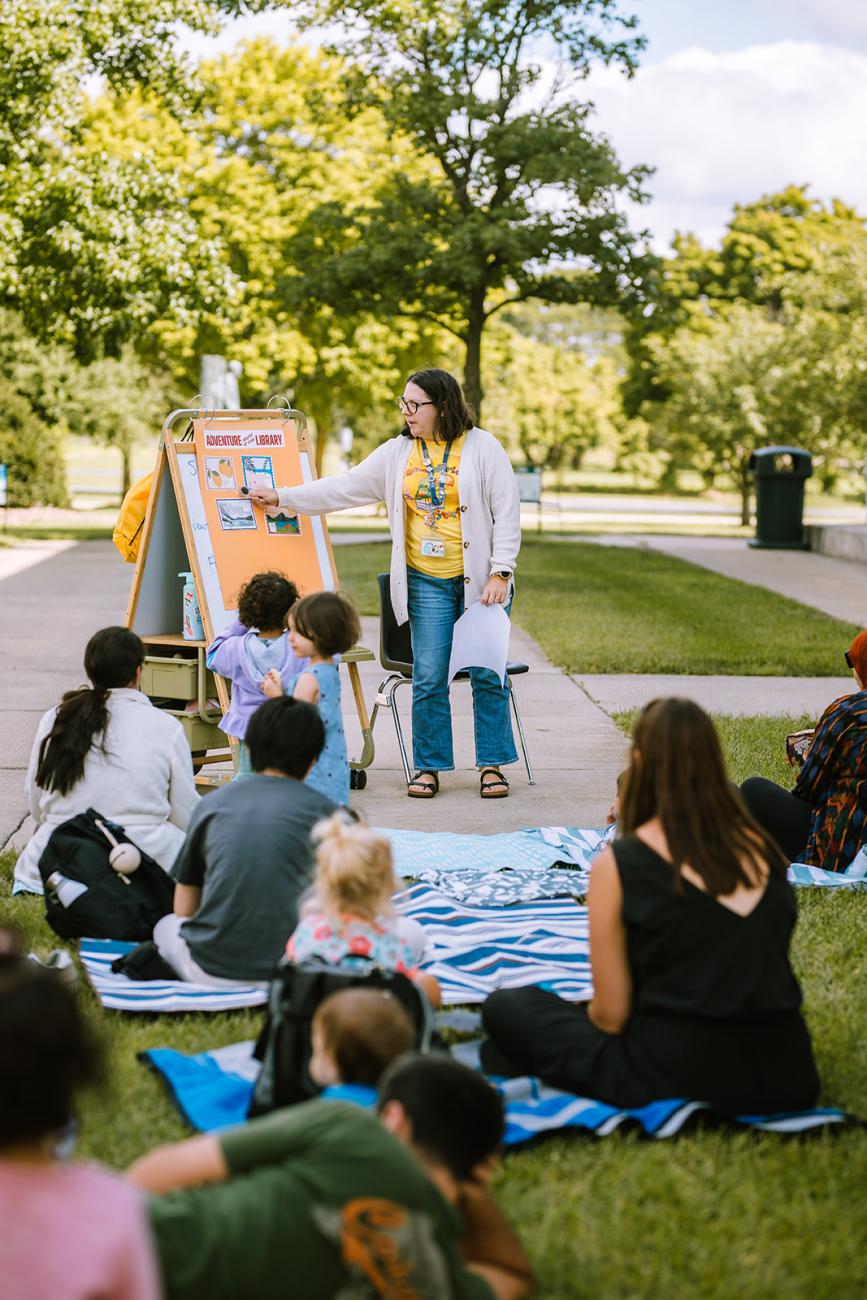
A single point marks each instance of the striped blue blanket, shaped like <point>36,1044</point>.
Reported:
<point>572,846</point>
<point>472,951</point>
<point>212,1091</point>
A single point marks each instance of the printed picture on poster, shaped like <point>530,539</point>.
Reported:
<point>236,516</point>
<point>283,524</point>
<point>219,474</point>
<point>258,471</point>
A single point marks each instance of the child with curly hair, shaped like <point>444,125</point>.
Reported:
<point>255,647</point>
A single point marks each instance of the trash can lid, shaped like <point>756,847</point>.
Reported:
<point>776,451</point>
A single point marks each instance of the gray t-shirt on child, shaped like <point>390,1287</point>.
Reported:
<point>248,848</point>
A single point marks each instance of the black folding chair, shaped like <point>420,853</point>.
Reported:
<point>395,655</point>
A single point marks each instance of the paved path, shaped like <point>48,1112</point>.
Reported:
<point>54,594</point>
<point>49,608</point>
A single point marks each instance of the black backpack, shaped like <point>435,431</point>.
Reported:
<point>284,1045</point>
<point>107,907</point>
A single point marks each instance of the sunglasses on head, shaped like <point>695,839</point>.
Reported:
<point>848,658</point>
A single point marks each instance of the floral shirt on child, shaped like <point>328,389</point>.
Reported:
<point>350,939</point>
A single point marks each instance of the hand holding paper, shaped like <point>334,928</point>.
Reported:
<point>481,640</point>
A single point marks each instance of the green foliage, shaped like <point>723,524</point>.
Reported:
<point>551,404</point>
<point>93,247</point>
<point>30,452</point>
<point>760,341</point>
<point>116,402</point>
<point>509,182</point>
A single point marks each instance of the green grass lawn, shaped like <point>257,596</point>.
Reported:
<point>609,609</point>
<point>711,1215</point>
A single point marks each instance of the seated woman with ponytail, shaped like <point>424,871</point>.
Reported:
<point>106,747</point>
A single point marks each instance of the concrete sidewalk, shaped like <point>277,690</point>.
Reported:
<point>50,607</point>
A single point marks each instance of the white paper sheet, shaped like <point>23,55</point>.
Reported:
<point>481,640</point>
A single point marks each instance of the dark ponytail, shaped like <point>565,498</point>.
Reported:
<point>111,659</point>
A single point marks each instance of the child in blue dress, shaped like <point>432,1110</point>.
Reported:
<point>321,626</point>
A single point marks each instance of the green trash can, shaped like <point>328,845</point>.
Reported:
<point>779,474</point>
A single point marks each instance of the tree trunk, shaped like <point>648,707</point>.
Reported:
<point>473,359</point>
<point>322,435</point>
<point>126,467</point>
<point>746,491</point>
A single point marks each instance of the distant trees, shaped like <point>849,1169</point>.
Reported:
<point>760,341</point>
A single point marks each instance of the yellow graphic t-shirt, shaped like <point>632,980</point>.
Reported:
<point>433,520</point>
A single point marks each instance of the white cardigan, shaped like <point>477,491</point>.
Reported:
<point>487,492</point>
<point>143,781</point>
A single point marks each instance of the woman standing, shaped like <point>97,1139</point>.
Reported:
<point>106,747</point>
<point>691,917</point>
<point>454,514</point>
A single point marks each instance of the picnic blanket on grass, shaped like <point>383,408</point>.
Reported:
<point>472,951</point>
<point>212,1091</point>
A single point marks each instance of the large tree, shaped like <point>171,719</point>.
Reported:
<point>512,196</point>
<point>269,141</point>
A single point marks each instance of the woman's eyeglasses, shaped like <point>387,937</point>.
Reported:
<point>410,408</point>
<point>848,658</point>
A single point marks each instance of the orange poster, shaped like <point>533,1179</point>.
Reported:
<point>237,453</point>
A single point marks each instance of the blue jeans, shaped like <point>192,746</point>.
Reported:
<point>435,605</point>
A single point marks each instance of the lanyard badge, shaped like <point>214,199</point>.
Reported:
<point>436,480</point>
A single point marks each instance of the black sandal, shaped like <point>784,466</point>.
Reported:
<point>492,784</point>
<point>426,789</point>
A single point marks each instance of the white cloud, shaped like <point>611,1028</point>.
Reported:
<point>725,128</point>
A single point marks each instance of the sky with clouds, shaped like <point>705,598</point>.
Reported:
<point>731,101</point>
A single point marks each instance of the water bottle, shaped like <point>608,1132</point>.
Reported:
<point>67,890</point>
<point>193,627</point>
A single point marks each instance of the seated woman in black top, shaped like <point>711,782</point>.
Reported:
<point>691,917</point>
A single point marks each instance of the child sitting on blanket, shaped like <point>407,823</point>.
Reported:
<point>71,1229</point>
<point>349,916</point>
<point>356,1034</point>
<point>252,648</point>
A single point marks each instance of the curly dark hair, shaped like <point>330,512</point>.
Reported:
<point>454,417</point>
<point>265,600</point>
<point>329,620</point>
<point>49,1050</point>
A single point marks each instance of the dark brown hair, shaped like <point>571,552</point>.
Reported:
<point>329,620</point>
<point>678,774</point>
<point>364,1030</point>
<point>49,1050</point>
<point>265,600</point>
<point>454,417</point>
<point>111,659</point>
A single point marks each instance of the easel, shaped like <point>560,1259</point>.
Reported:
<point>197,521</point>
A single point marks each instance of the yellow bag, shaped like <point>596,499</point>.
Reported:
<point>127,530</point>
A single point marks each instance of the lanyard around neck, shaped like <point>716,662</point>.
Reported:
<point>436,481</point>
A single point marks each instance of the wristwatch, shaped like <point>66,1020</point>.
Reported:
<point>502,573</point>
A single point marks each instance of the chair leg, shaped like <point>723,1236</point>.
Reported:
<point>530,777</point>
<point>401,743</point>
<point>385,699</point>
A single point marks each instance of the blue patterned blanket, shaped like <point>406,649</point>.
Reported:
<point>212,1091</point>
